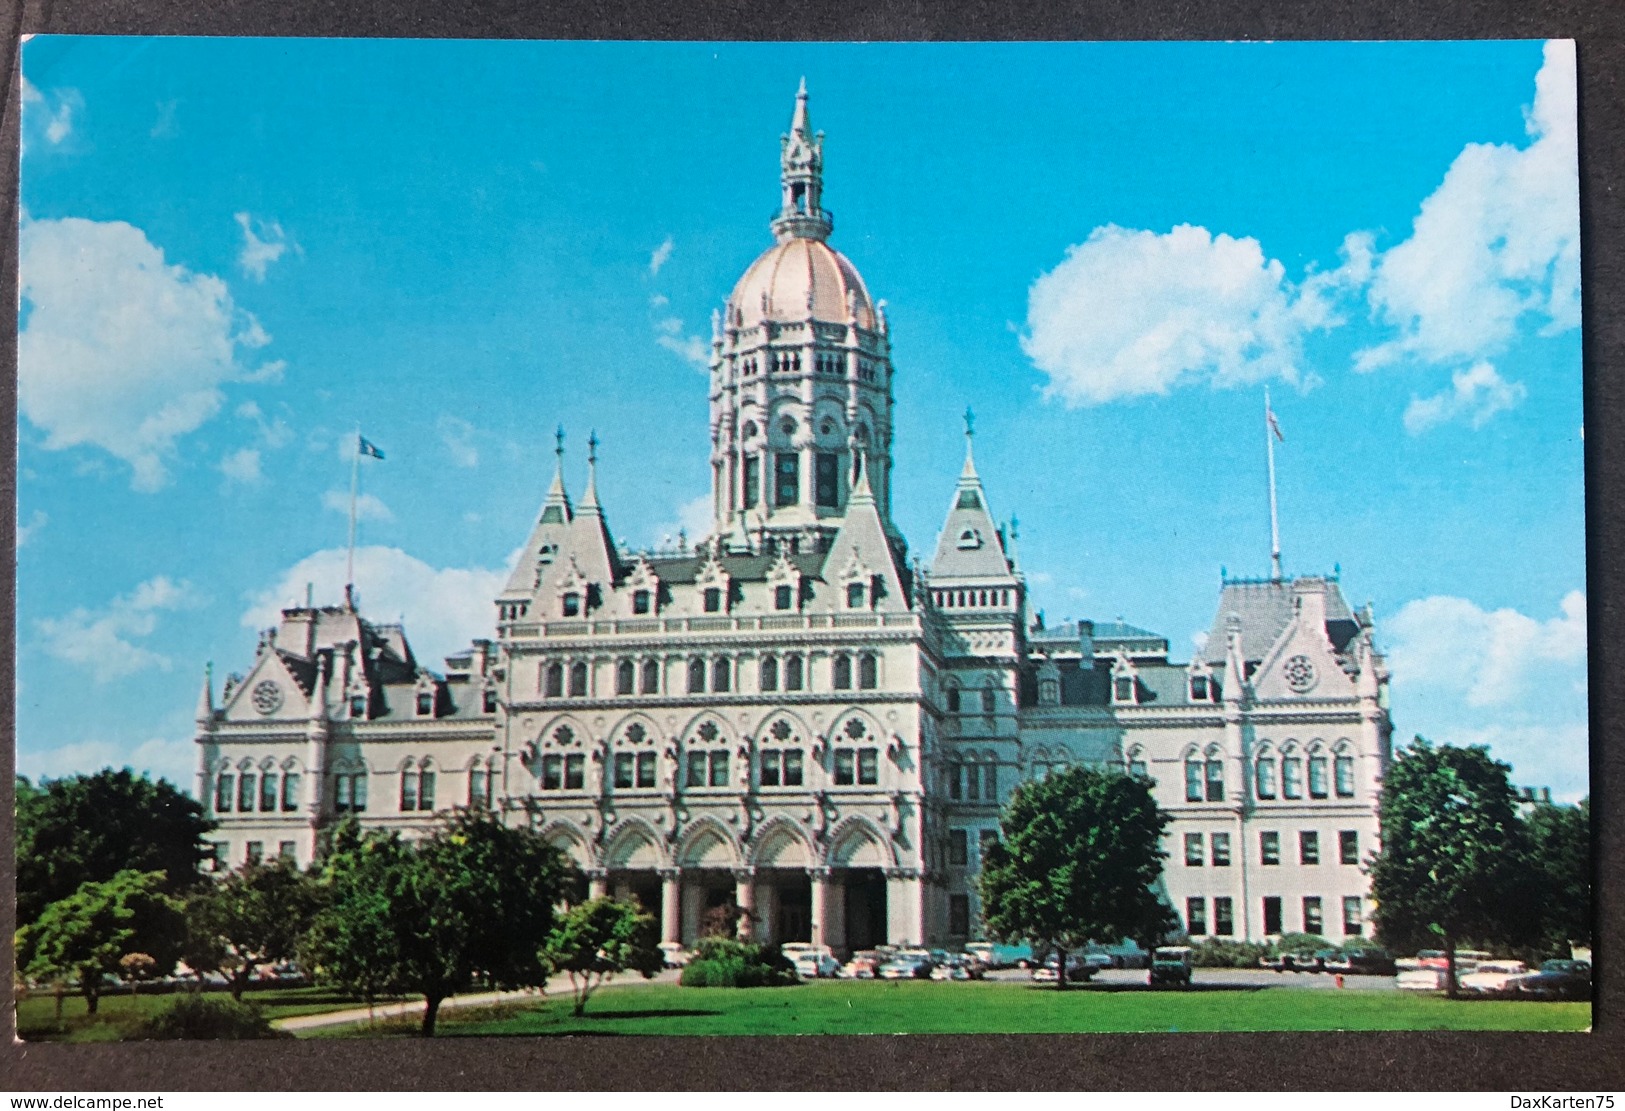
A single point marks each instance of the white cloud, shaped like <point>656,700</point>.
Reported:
<point>263,243</point>
<point>1498,240</point>
<point>443,608</point>
<point>26,532</point>
<point>105,641</point>
<point>242,466</point>
<point>368,507</point>
<point>692,349</point>
<point>458,437</point>
<point>1466,675</point>
<point>164,127</point>
<point>1131,312</point>
<point>274,432</point>
<point>692,518</point>
<point>49,115</point>
<point>1475,395</point>
<point>120,350</point>
<point>174,760</point>
<point>661,255</point>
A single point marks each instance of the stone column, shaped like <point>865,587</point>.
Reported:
<point>745,897</point>
<point>905,910</point>
<point>597,883</point>
<point>671,905</point>
<point>819,878</point>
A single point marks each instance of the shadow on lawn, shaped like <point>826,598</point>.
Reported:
<point>1146,989</point>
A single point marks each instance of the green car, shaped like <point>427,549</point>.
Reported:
<point>1171,964</point>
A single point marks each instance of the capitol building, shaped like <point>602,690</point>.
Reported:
<point>792,715</point>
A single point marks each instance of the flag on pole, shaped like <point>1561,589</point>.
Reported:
<point>1269,415</point>
<point>367,447</point>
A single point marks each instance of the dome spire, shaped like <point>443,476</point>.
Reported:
<point>801,178</point>
<point>557,510</point>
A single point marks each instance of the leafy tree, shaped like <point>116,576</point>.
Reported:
<point>256,916</point>
<point>474,900</point>
<point>1560,859</point>
<point>85,828</point>
<point>1078,856</point>
<point>1453,868</point>
<point>84,936</point>
<point>137,968</point>
<point>596,939</point>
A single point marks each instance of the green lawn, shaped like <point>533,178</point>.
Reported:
<point>119,1015</point>
<point>875,1007</point>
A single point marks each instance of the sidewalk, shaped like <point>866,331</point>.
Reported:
<point>557,988</point>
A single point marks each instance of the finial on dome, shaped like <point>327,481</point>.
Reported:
<point>801,178</point>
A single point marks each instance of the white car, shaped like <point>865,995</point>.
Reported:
<point>816,966</point>
<point>1491,977</point>
<point>1421,979</point>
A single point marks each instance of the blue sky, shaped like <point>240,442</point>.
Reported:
<point>234,251</point>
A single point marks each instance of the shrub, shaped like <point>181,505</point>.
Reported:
<point>1300,943</point>
<point>724,963</point>
<point>195,1016</point>
<point>1214,953</point>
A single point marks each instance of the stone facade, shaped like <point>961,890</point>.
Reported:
<point>791,716</point>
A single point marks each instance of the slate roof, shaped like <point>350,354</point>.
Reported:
<point>1265,609</point>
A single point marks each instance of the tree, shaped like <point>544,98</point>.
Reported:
<point>85,828</point>
<point>137,968</point>
<point>599,938</point>
<point>1560,857</point>
<point>1453,868</point>
<point>84,936</point>
<point>257,915</point>
<point>473,900</point>
<point>1078,856</point>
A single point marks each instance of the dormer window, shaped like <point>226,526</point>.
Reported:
<point>784,597</point>
<point>640,601</point>
<point>547,552</point>
<point>713,599</point>
<point>1199,689</point>
<point>358,705</point>
<point>854,596</point>
<point>1123,688</point>
<point>489,704</point>
<point>425,704</point>
<point>970,539</point>
<point>572,604</point>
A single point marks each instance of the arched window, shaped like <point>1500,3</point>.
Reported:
<point>770,673</point>
<point>481,785</point>
<point>1195,790</point>
<point>956,780</point>
<point>696,676</point>
<point>1291,776</point>
<point>953,700</point>
<point>857,756</point>
<point>554,684</point>
<point>625,677</point>
<point>990,777</point>
<point>720,676</point>
<point>792,673</point>
<point>223,788</point>
<point>781,762</point>
<point>1318,787</point>
<point>1136,763</point>
<point>843,673</point>
<point>1215,776</point>
<point>246,783</point>
<point>651,677</point>
<point>578,680</point>
<point>867,677</point>
<point>1264,777</point>
<point>290,791</point>
<point>1344,765</point>
<point>989,700</point>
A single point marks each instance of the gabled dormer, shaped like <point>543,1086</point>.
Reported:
<point>271,692</point>
<point>640,590</point>
<point>863,555</point>
<point>784,584</point>
<point>571,592</point>
<point>1303,662</point>
<point>712,584</point>
<point>1125,681</point>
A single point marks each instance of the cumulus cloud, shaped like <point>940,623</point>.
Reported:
<point>458,437</point>
<point>104,641</point>
<point>661,255</point>
<point>1496,242</point>
<point>174,760</point>
<point>443,608</point>
<point>692,518</point>
<point>49,115</point>
<point>1131,312</point>
<point>242,467</point>
<point>368,507</point>
<point>273,432</point>
<point>691,349</point>
<point>121,350</point>
<point>26,532</point>
<point>263,243</point>
<point>1466,675</point>
<point>1475,395</point>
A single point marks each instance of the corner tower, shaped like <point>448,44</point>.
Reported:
<point>801,372</point>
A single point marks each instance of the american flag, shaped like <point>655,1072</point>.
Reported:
<point>1269,415</point>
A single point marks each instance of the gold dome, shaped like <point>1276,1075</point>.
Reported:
<point>799,278</point>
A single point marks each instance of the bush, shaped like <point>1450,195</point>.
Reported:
<point>199,1017</point>
<point>1214,953</point>
<point>725,963</point>
<point>1300,943</point>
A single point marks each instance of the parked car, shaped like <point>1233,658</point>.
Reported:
<point>1099,959</point>
<point>1171,964</point>
<point>1421,979</point>
<point>906,966</point>
<point>958,966</point>
<point>1557,979</point>
<point>1363,962</point>
<point>1078,970</point>
<point>816,965</point>
<point>1274,962</point>
<point>1490,977</point>
<point>864,965</point>
<point>993,955</point>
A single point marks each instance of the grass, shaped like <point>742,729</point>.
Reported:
<point>119,1015</point>
<point>918,1007</point>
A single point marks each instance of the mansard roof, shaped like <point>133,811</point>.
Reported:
<point>683,570</point>
<point>1265,608</point>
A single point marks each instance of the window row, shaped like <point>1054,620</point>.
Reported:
<point>248,792</point>
<point>969,781</point>
<point>1311,919</point>
<point>1348,846</point>
<point>253,853</point>
<point>1204,777</point>
<point>959,846</point>
<point>958,704</point>
<point>775,767</point>
<point>971,599</point>
<point>717,676</point>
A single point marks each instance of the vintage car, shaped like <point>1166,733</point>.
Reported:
<point>1491,977</point>
<point>1171,964</point>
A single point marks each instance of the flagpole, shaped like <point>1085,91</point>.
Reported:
<point>355,481</point>
<point>1275,526</point>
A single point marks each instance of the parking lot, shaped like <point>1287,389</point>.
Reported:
<point>1253,978</point>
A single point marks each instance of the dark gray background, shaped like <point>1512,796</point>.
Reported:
<point>1440,1061</point>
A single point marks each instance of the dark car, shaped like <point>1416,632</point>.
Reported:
<point>1557,979</point>
<point>1363,962</point>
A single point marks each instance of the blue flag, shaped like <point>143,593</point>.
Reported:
<point>367,447</point>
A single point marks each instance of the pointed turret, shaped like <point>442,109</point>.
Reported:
<point>556,510</point>
<point>801,178</point>
<point>863,563</point>
<point>970,546</point>
<point>547,539</point>
<point>590,545</point>
<point>205,698</point>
